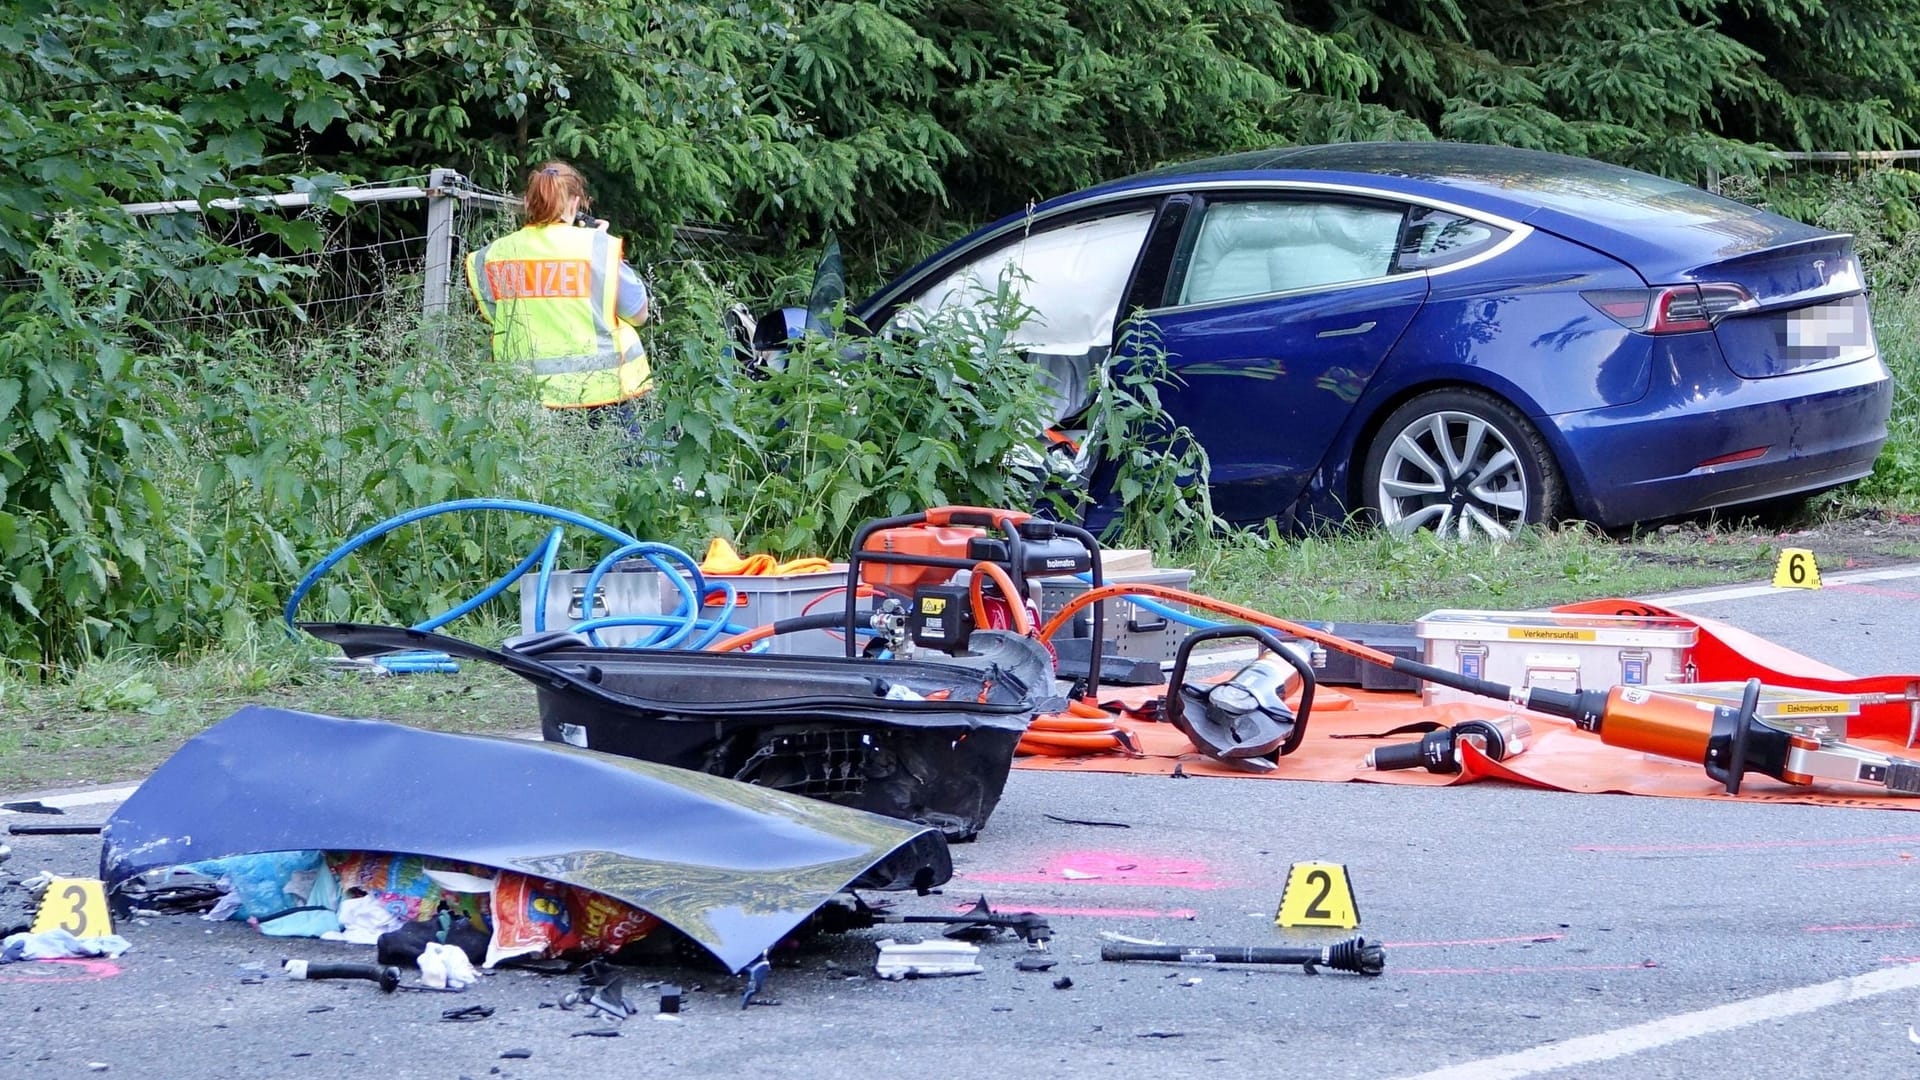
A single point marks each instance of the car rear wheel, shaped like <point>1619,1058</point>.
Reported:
<point>1462,463</point>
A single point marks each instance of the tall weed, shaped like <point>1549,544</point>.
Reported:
<point>846,427</point>
<point>285,449</point>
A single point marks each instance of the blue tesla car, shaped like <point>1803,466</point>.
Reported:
<point>1450,336</point>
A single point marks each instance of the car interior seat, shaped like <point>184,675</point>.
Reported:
<point>1251,249</point>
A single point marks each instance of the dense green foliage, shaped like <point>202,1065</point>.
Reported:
<point>96,107</point>
<point>891,119</point>
<point>156,489</point>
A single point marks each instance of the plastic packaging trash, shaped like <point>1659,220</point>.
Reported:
<point>60,945</point>
<point>446,967</point>
<point>363,919</point>
<point>290,893</point>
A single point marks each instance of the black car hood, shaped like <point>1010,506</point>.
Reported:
<point>734,867</point>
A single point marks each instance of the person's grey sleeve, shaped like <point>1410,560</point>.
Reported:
<point>631,304</point>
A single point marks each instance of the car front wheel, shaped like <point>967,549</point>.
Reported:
<point>1462,463</point>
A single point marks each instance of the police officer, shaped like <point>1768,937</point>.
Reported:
<point>561,298</point>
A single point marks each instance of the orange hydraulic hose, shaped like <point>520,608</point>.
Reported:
<point>1244,614</point>
<point>739,641</point>
<point>1066,744</point>
<point>1021,625</point>
<point>1071,723</point>
<point>1083,729</point>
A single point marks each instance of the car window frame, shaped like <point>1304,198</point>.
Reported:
<point>904,292</point>
<point>1227,188</point>
<point>1182,262</point>
<point>1406,227</point>
<point>879,307</point>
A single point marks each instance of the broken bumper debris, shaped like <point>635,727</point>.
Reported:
<point>930,742</point>
<point>732,866</point>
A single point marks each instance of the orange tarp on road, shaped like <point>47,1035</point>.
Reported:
<point>1560,757</point>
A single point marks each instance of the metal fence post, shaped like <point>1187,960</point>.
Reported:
<point>438,271</point>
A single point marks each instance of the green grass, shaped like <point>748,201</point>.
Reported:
<point>115,718</point>
<point>1376,577</point>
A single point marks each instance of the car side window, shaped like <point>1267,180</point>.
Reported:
<point>1071,276</point>
<point>1435,238</point>
<point>1271,245</point>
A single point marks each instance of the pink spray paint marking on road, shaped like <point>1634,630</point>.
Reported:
<point>1875,590</point>
<point>68,971</point>
<point>1110,868</point>
<point>1541,969</point>
<point>1541,938</point>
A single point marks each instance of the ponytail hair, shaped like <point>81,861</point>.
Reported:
<point>549,187</point>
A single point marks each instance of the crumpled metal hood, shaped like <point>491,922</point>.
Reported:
<point>733,866</point>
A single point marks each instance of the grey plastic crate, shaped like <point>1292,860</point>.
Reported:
<point>636,588</point>
<point>630,588</point>
<point>1133,630</point>
<point>763,599</point>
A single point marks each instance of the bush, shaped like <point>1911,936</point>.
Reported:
<point>846,428</point>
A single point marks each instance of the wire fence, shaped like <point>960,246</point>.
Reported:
<point>398,246</point>
<point>1802,168</point>
<point>395,245</point>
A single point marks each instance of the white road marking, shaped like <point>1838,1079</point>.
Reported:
<point>1620,1042</point>
<point>1744,592</point>
<point>72,799</point>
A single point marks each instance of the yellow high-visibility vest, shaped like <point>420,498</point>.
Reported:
<point>551,292</point>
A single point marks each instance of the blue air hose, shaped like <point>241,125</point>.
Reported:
<point>675,629</point>
<point>1149,604</point>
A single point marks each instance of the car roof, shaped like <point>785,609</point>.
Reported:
<point>1664,228</point>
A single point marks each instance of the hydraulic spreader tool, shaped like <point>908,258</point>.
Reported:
<point>1728,741</point>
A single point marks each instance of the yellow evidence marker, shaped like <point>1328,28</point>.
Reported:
<point>1318,894</point>
<point>1797,570</point>
<point>76,905</point>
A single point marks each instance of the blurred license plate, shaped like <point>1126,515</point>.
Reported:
<point>1841,325</point>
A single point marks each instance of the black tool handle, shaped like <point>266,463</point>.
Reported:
<point>1354,955</point>
<point>387,976</point>
<point>23,828</point>
<point>1432,752</point>
<point>1178,677</point>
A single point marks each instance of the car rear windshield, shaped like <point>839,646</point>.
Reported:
<point>1611,195</point>
<point>1606,194</point>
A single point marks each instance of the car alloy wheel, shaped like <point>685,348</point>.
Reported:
<point>1461,463</point>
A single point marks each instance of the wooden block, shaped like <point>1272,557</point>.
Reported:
<point>1125,561</point>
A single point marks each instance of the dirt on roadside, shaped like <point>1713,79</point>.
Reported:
<point>1869,539</point>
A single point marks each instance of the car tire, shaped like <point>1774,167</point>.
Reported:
<point>1462,463</point>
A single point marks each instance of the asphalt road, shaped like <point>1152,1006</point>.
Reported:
<point>1527,933</point>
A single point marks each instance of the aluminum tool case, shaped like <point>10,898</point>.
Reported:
<point>1133,631</point>
<point>1555,651</point>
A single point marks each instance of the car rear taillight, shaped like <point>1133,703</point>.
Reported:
<point>1669,309</point>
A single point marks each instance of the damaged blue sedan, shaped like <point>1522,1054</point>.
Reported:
<point>1448,336</point>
